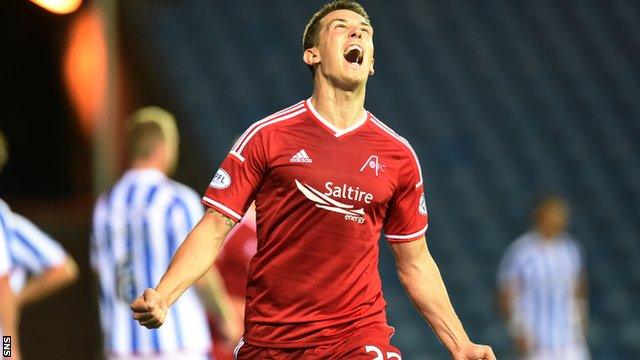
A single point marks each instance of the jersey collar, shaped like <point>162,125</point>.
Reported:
<point>146,173</point>
<point>330,127</point>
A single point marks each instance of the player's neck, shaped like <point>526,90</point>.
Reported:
<point>342,108</point>
<point>148,164</point>
<point>548,234</point>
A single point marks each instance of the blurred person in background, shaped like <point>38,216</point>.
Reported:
<point>327,178</point>
<point>137,226</point>
<point>8,303</point>
<point>233,265</point>
<point>542,286</point>
<point>39,265</point>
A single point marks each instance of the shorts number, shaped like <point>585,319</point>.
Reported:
<point>379,355</point>
<point>125,280</point>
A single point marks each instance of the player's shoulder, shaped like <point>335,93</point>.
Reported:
<point>284,117</point>
<point>21,222</point>
<point>393,138</point>
<point>4,208</point>
<point>522,245</point>
<point>573,244</point>
<point>182,192</point>
<point>6,216</point>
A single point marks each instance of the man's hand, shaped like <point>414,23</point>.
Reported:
<point>150,309</point>
<point>474,352</point>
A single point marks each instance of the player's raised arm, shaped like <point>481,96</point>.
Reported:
<point>421,279</point>
<point>192,259</point>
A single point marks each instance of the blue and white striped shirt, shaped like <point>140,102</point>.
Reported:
<point>24,249</point>
<point>544,276</point>
<point>32,252</point>
<point>6,226</point>
<point>137,227</point>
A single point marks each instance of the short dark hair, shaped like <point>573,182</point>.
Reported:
<point>312,30</point>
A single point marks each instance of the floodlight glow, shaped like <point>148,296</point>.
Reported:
<point>59,6</point>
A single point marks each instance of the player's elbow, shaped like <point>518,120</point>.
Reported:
<point>69,272</point>
<point>410,271</point>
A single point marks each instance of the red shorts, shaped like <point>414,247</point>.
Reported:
<point>370,343</point>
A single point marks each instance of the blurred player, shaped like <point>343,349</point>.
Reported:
<point>8,303</point>
<point>327,177</point>
<point>41,266</point>
<point>233,265</point>
<point>542,285</point>
<point>137,227</point>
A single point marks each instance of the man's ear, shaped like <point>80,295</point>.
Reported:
<point>311,56</point>
<point>371,69</point>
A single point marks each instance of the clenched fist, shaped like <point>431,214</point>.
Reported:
<point>474,352</point>
<point>150,309</point>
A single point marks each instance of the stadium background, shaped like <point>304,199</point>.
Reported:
<point>499,98</point>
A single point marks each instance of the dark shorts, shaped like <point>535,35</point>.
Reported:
<point>370,343</point>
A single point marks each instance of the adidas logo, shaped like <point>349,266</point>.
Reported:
<point>301,157</point>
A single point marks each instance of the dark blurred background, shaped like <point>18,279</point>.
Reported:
<point>499,99</point>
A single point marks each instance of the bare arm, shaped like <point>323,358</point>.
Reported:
<point>192,260</point>
<point>582,299</point>
<point>506,298</point>
<point>421,279</point>
<point>9,315</point>
<point>41,286</point>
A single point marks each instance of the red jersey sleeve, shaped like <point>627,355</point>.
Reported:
<point>234,185</point>
<point>407,218</point>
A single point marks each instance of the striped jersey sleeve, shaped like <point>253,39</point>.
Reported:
<point>32,249</point>
<point>509,264</point>
<point>5,232</point>
<point>233,187</point>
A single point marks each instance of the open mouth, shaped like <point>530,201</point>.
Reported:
<point>354,54</point>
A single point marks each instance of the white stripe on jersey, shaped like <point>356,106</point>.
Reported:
<point>390,131</point>
<point>137,228</point>
<point>6,226</point>
<point>236,351</point>
<point>544,276</point>
<point>242,137</point>
<point>215,203</point>
<point>253,129</point>
<point>237,152</point>
<point>32,251</point>
<point>400,237</point>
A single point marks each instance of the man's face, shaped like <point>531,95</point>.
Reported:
<point>345,48</point>
<point>554,216</point>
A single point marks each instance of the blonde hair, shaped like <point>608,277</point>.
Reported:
<point>148,126</point>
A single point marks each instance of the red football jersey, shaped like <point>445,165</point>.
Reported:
<point>323,196</point>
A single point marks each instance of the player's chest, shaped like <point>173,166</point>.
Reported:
<point>550,270</point>
<point>335,172</point>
